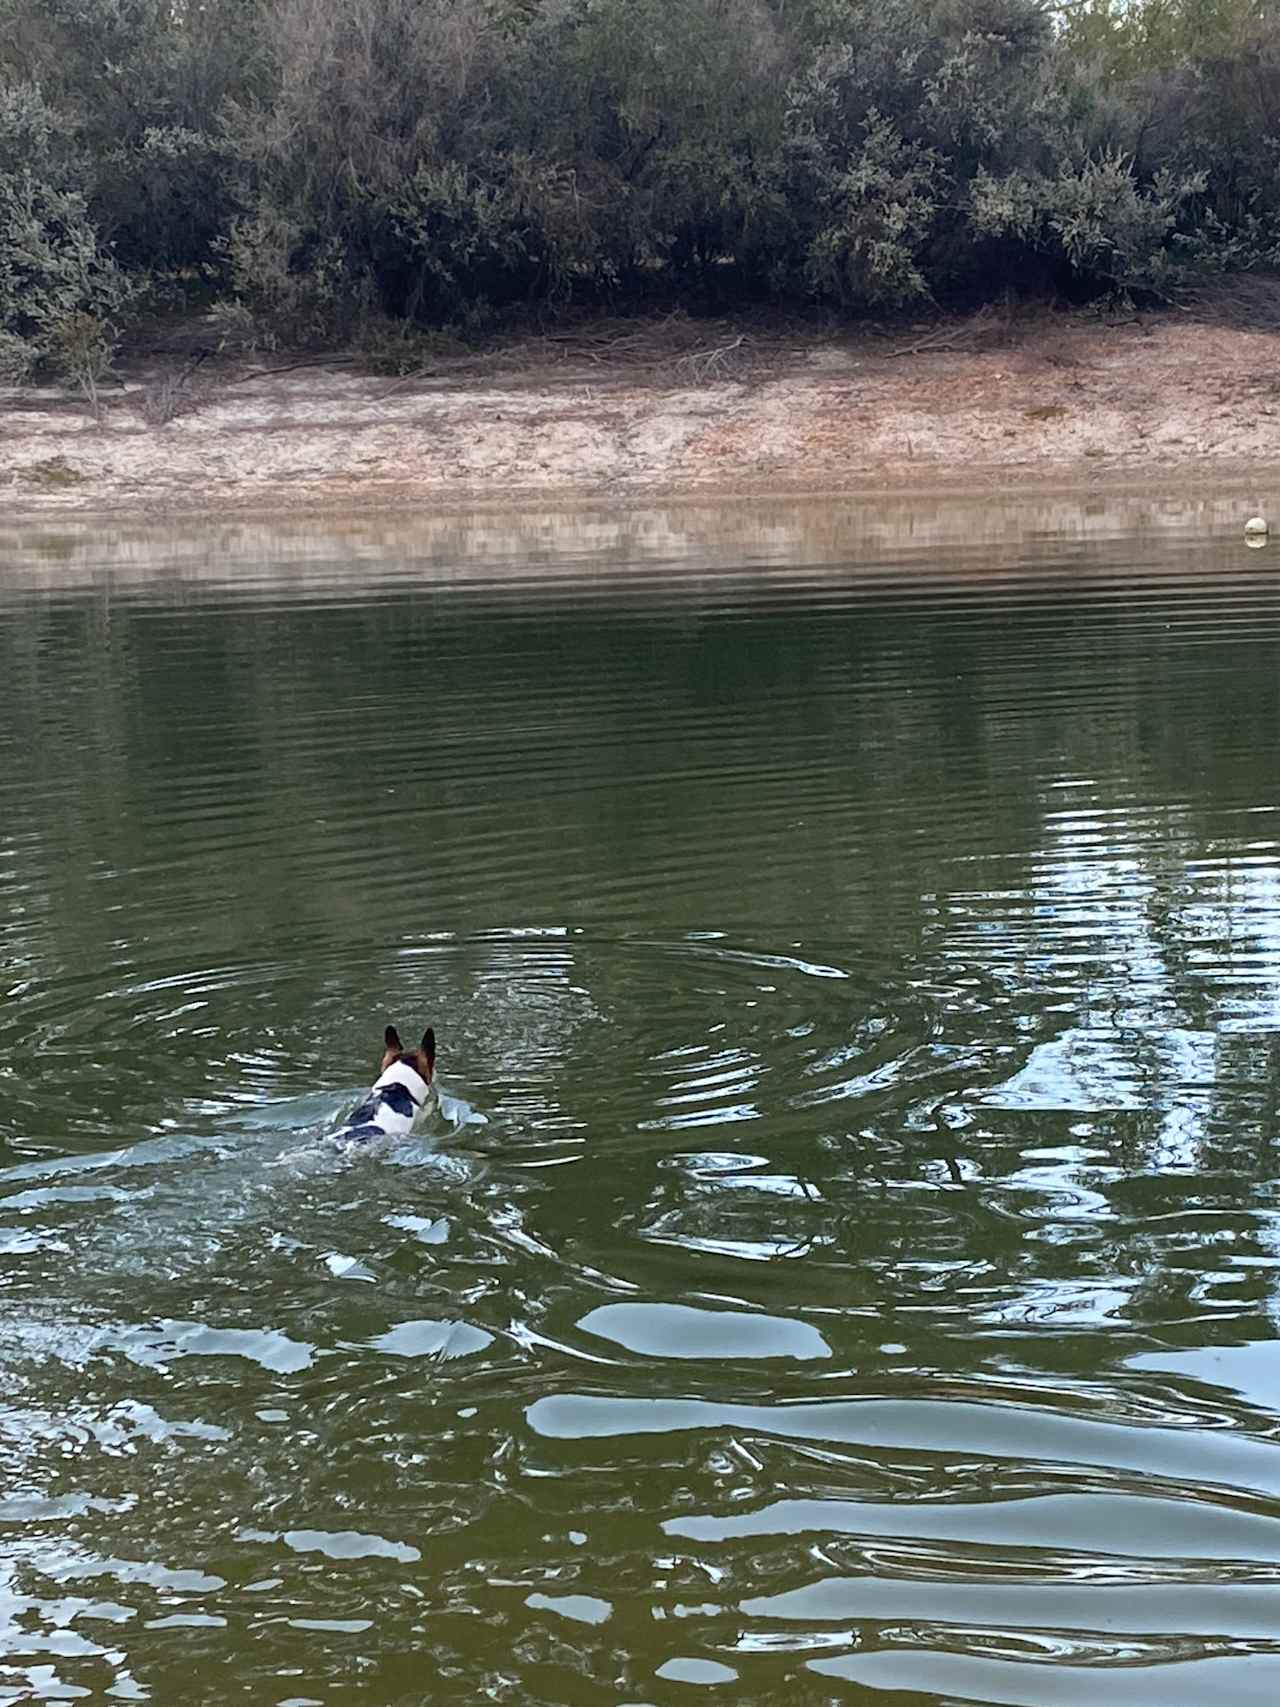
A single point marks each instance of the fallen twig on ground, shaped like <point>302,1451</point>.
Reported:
<point>704,365</point>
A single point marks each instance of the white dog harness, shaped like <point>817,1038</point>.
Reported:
<point>390,1108</point>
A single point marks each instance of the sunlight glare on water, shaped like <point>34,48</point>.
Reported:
<point>843,1263</point>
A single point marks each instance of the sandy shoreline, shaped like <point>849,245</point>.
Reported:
<point>1063,402</point>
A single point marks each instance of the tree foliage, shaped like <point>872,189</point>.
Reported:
<point>59,288</point>
<point>319,164</point>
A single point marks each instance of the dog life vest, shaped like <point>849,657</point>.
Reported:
<point>390,1108</point>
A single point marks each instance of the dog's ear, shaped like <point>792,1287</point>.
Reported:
<point>429,1046</point>
<point>391,1037</point>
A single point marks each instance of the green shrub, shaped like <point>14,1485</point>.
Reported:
<point>327,164</point>
<point>876,216</point>
<point>900,108</point>
<point>1096,218</point>
<point>141,87</point>
<point>670,118</point>
<point>55,275</point>
<point>457,242</point>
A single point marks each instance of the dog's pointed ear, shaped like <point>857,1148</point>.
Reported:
<point>391,1037</point>
<point>429,1045</point>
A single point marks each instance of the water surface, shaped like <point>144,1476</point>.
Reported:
<point>844,1263</point>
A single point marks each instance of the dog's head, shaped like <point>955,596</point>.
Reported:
<point>422,1059</point>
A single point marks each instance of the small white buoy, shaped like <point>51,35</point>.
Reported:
<point>1255,528</point>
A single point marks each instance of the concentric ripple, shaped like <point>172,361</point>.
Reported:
<point>843,1263</point>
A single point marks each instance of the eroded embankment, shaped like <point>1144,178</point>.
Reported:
<point>1060,400</point>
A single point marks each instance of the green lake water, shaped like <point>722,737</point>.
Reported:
<point>845,1262</point>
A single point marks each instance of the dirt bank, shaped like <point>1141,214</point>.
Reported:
<point>663,409</point>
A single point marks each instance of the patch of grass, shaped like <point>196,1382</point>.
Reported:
<point>239,331</point>
<point>396,348</point>
<point>171,395</point>
<point>52,473</point>
<point>162,402</point>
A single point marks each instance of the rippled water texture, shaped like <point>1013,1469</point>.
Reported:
<point>844,1262</point>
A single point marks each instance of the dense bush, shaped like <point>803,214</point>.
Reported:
<point>670,117</point>
<point>319,165</point>
<point>443,160</point>
<point>59,289</point>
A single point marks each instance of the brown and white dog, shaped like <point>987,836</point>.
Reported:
<point>399,1093</point>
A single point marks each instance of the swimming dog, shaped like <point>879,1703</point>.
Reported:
<point>399,1093</point>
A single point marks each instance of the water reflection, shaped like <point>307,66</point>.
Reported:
<point>845,1259</point>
